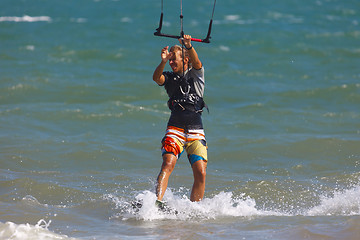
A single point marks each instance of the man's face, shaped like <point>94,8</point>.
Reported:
<point>176,62</point>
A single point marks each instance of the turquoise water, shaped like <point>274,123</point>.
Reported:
<point>81,120</point>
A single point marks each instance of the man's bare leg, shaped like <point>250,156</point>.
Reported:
<point>198,189</point>
<point>169,162</point>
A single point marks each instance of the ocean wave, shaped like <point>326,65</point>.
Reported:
<point>10,230</point>
<point>344,203</point>
<point>227,204</point>
<point>25,18</point>
<point>223,204</point>
<point>268,19</point>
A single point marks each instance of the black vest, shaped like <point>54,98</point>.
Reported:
<point>182,93</point>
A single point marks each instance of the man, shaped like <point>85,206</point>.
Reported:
<point>185,88</point>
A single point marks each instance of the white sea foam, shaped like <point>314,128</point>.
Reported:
<point>232,17</point>
<point>30,47</point>
<point>126,20</point>
<point>224,48</point>
<point>79,20</point>
<point>25,18</point>
<point>10,230</point>
<point>224,204</point>
<point>341,203</point>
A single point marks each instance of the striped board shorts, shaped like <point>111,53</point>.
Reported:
<point>193,141</point>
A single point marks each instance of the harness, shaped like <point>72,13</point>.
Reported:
<point>182,93</point>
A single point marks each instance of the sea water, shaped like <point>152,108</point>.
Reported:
<point>81,120</point>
